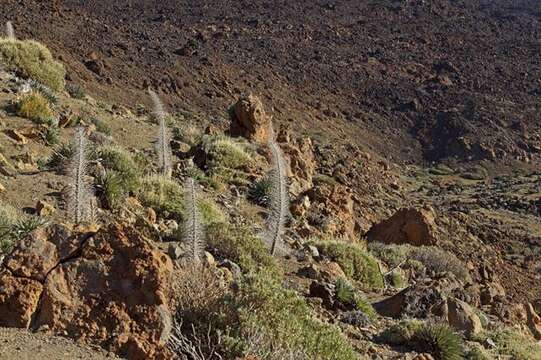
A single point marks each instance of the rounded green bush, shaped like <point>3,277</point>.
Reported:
<point>32,60</point>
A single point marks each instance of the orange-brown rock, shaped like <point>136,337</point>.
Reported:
<point>333,202</point>
<point>108,288</point>
<point>19,299</point>
<point>250,120</point>
<point>533,320</point>
<point>301,159</point>
<point>407,226</point>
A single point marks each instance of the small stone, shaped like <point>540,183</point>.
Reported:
<point>151,216</point>
<point>208,259</point>
<point>2,188</point>
<point>312,251</point>
<point>44,209</point>
<point>323,291</point>
<point>175,251</point>
<point>234,268</point>
<point>310,272</point>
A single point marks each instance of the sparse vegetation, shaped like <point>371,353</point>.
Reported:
<point>76,91</point>
<point>260,192</point>
<point>35,107</point>
<point>358,265</point>
<point>32,60</point>
<point>163,195</point>
<point>101,126</point>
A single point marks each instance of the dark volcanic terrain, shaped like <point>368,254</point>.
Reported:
<point>413,80</point>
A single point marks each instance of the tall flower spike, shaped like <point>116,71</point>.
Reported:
<point>10,33</point>
<point>279,200</point>
<point>193,234</point>
<point>163,147</point>
<point>80,196</point>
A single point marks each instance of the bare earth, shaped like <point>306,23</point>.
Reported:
<point>23,345</point>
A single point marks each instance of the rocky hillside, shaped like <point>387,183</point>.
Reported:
<point>273,195</point>
<point>420,80</point>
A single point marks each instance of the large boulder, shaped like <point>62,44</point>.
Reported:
<point>461,316</point>
<point>249,119</point>
<point>416,227</point>
<point>108,288</point>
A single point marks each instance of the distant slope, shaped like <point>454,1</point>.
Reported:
<point>412,80</point>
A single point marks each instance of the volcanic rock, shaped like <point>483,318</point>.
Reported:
<point>250,120</point>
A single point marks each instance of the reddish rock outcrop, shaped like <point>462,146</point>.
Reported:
<point>108,288</point>
<point>250,120</point>
<point>407,226</point>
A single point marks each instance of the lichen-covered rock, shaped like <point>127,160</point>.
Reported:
<point>416,227</point>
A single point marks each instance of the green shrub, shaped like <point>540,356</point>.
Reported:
<point>439,260</point>
<point>14,226</point>
<point>116,159</point>
<point>35,107</point>
<point>187,133</point>
<point>239,244</point>
<point>284,319</point>
<point>260,191</point>
<point>163,195</point>
<point>60,156</point>
<point>167,197</point>
<point>348,295</point>
<point>227,159</point>
<point>512,343</point>
<point>431,257</point>
<point>101,126</point>
<point>476,352</point>
<point>32,60</point>
<point>46,92</point>
<point>358,265</point>
<point>440,341</point>
<point>76,91</point>
<point>110,184</point>
<point>437,339</point>
<point>396,279</point>
<point>51,135</point>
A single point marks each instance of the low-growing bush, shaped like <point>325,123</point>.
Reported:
<point>14,226</point>
<point>51,135</point>
<point>76,91</point>
<point>163,195</point>
<point>283,319</point>
<point>437,339</point>
<point>32,60</point>
<point>227,159</point>
<point>358,265</point>
<point>110,185</point>
<point>116,159</point>
<point>511,343</point>
<point>35,107</point>
<point>349,296</point>
<point>431,257</point>
<point>241,245</point>
<point>101,126</point>
<point>260,192</point>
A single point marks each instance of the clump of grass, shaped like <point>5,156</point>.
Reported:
<point>76,91</point>
<point>32,60</point>
<point>45,91</point>
<point>347,295</point>
<point>35,107</point>
<point>358,264</point>
<point>14,226</point>
<point>284,319</point>
<point>437,339</point>
<point>396,279</point>
<point>187,133</point>
<point>227,159</point>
